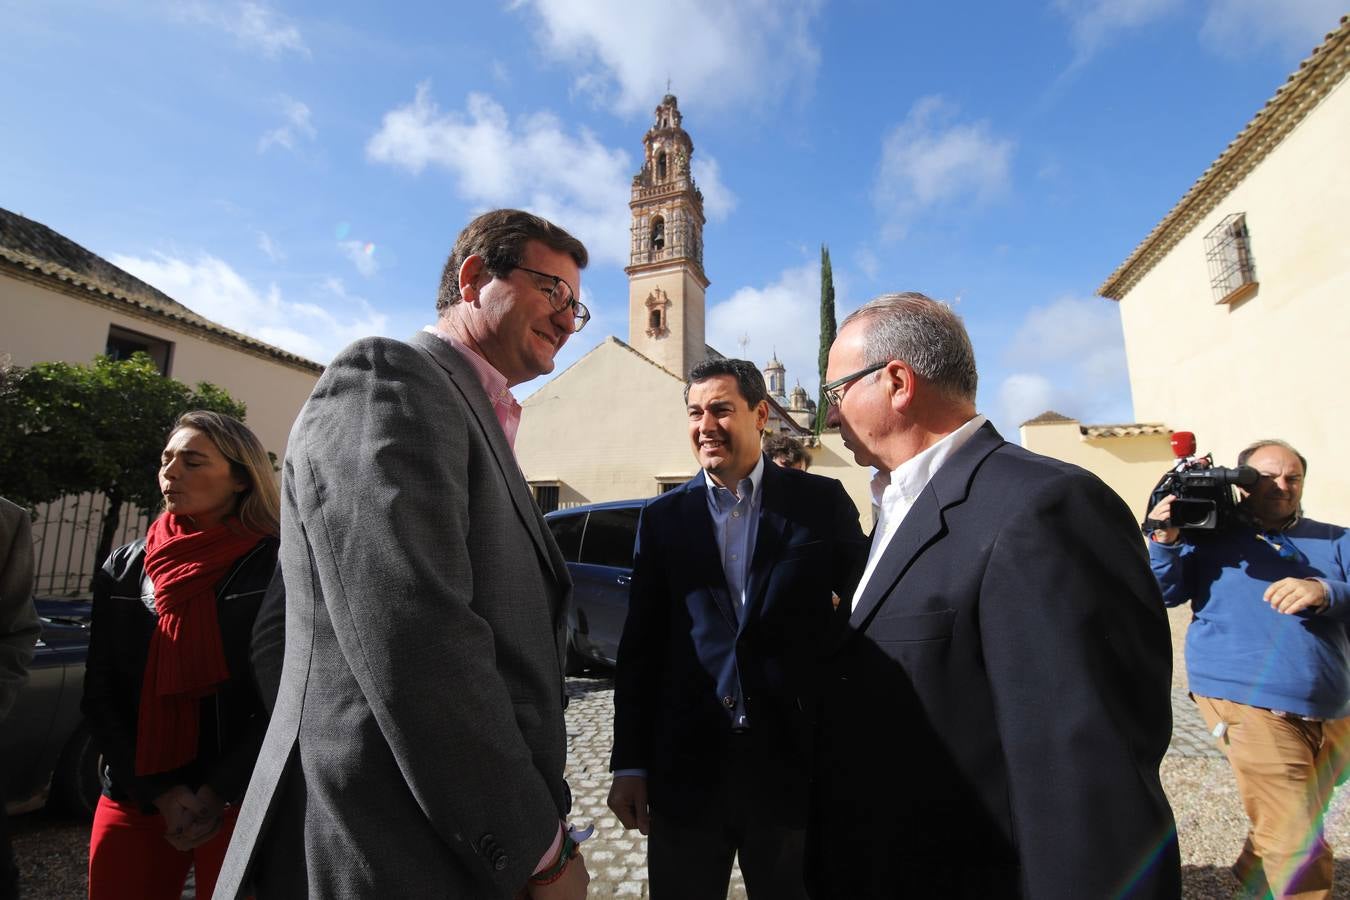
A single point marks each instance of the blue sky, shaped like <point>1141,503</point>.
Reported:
<point>299,171</point>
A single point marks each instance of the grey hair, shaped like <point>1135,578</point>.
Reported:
<point>1251,448</point>
<point>923,332</point>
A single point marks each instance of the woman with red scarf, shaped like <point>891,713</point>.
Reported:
<point>169,692</point>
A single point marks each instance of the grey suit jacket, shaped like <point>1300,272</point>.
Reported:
<point>19,626</point>
<point>417,744</point>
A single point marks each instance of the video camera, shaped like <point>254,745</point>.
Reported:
<point>1204,492</point>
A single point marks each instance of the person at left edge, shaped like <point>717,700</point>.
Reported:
<point>169,694</point>
<point>417,743</point>
<point>19,631</point>
<point>714,691</point>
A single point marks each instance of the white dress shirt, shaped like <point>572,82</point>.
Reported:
<point>894,493</point>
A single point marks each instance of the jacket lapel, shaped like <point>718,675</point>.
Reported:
<point>769,537</point>
<point>925,522</point>
<point>701,544</point>
<point>471,389</point>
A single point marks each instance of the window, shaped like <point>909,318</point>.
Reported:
<point>663,486</point>
<point>1232,273</point>
<point>567,530</point>
<point>123,342</point>
<point>610,535</point>
<point>658,233</point>
<point>546,496</point>
<point>661,166</point>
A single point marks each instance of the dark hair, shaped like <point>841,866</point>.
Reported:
<point>923,332</point>
<point>749,379</point>
<point>500,237</point>
<point>1251,448</point>
<point>786,447</point>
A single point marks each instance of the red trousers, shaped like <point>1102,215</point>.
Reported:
<point>129,859</point>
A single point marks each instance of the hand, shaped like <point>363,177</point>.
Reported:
<point>571,885</point>
<point>628,799</point>
<point>1292,595</point>
<point>1162,513</point>
<point>181,808</point>
<point>208,825</point>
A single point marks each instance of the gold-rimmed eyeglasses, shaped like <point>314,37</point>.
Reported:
<point>834,391</point>
<point>560,296</point>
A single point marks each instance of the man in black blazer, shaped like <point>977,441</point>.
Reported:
<point>716,683</point>
<point>999,701</point>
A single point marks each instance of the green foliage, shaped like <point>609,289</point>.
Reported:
<point>827,330</point>
<point>71,429</point>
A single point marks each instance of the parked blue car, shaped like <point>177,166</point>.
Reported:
<point>597,541</point>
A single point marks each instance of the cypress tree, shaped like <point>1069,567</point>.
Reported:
<point>827,330</point>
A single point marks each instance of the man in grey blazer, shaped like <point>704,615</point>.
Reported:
<point>417,744</point>
<point>19,630</point>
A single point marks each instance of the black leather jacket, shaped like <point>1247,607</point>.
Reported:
<point>233,720</point>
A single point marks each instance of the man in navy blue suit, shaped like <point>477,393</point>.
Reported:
<point>1000,698</point>
<point>716,685</point>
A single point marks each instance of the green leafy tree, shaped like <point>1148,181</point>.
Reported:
<point>827,331</point>
<point>73,429</point>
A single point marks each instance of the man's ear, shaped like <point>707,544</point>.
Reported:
<point>901,384</point>
<point>471,273</point>
<point>762,415</point>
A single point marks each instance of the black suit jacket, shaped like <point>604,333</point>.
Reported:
<point>1000,703</point>
<point>683,635</point>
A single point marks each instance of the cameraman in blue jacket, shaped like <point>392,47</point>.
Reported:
<point>1268,661</point>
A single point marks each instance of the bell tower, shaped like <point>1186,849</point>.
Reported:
<point>666,284</point>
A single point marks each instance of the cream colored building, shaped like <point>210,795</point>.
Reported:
<point>1235,307</point>
<point>61,302</point>
<point>612,425</point>
<point>1129,458</point>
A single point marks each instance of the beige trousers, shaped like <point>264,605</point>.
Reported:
<point>1286,769</point>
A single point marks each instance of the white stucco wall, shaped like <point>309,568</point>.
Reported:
<point>1271,365</point>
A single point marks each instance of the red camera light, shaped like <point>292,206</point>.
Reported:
<point>1183,444</point>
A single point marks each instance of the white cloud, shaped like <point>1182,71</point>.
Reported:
<point>1234,28</point>
<point>270,247</point>
<point>254,24</point>
<point>931,160</point>
<point>362,255</point>
<point>1094,23</point>
<point>780,318</point>
<point>297,126</point>
<point>212,288</point>
<point>718,199</point>
<point>717,55</point>
<point>531,162</point>
<point>1067,356</point>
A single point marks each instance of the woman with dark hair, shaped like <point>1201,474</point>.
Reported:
<point>169,692</point>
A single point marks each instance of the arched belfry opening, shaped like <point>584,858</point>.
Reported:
<point>661,166</point>
<point>658,233</point>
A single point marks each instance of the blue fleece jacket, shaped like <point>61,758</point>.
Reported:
<point>1237,647</point>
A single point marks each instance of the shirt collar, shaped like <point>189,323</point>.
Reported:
<point>717,492</point>
<point>493,382</point>
<point>912,476</point>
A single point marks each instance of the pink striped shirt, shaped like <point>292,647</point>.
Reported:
<point>504,405</point>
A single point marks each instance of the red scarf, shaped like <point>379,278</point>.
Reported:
<point>186,660</point>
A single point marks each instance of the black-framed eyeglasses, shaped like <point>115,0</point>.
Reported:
<point>560,296</point>
<point>834,391</point>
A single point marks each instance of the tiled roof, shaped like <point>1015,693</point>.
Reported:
<point>1049,417</point>
<point>47,256</point>
<point>1131,430</point>
<point>1316,77</point>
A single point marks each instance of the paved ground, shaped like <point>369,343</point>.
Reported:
<point>1197,779</point>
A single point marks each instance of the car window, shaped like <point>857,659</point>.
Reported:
<point>610,535</point>
<point>567,532</point>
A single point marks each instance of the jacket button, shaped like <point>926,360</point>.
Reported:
<point>729,702</point>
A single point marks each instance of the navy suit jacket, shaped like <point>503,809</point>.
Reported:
<point>686,650</point>
<point>1000,700</point>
